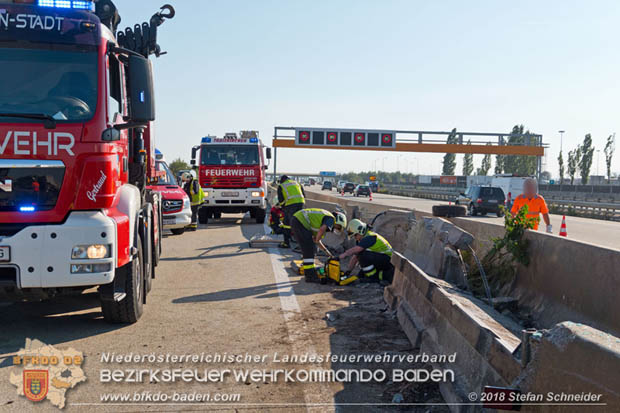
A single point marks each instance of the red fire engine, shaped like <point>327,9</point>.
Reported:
<point>77,153</point>
<point>232,175</point>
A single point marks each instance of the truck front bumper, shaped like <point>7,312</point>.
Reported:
<point>177,220</point>
<point>235,198</point>
<point>41,255</point>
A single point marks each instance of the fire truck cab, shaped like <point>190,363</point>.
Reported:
<point>231,172</point>
<point>76,154</point>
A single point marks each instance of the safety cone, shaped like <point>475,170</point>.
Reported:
<point>370,197</point>
<point>563,232</point>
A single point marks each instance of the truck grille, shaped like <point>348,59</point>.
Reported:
<point>172,205</point>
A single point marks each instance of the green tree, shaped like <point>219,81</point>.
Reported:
<point>485,165</point>
<point>561,166</point>
<point>499,164</point>
<point>610,147</point>
<point>521,165</point>
<point>468,162</point>
<point>178,165</point>
<point>573,163</point>
<point>449,160</point>
<point>585,162</point>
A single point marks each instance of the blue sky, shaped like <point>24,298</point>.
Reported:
<point>394,64</point>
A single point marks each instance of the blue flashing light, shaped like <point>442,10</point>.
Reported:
<point>27,208</point>
<point>157,151</point>
<point>253,140</point>
<point>206,139</point>
<point>68,4</point>
<point>142,96</point>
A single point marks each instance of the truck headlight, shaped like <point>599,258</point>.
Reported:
<point>186,204</point>
<point>91,252</point>
<point>206,193</point>
<point>257,194</point>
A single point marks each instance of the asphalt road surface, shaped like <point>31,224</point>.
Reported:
<point>213,294</point>
<point>593,231</point>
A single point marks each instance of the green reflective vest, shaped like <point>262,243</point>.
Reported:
<point>197,198</point>
<point>312,218</point>
<point>291,190</point>
<point>381,245</point>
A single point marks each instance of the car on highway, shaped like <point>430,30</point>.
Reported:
<point>327,186</point>
<point>348,187</point>
<point>482,200</point>
<point>362,190</point>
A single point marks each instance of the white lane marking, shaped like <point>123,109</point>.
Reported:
<point>299,337</point>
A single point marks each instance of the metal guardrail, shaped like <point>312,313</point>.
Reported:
<point>588,209</point>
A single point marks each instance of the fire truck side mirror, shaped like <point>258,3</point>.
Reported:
<point>194,151</point>
<point>268,153</point>
<point>141,89</point>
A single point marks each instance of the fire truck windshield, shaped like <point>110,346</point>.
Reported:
<point>58,83</point>
<point>229,155</point>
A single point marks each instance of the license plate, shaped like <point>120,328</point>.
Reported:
<point>492,201</point>
<point>230,194</point>
<point>5,254</point>
<point>170,221</point>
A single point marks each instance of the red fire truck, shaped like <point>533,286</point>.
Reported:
<point>77,153</point>
<point>232,175</point>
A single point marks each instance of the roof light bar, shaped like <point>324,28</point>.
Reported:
<point>68,4</point>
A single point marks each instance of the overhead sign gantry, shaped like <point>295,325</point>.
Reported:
<point>406,141</point>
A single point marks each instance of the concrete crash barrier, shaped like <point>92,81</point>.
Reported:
<point>566,280</point>
<point>575,363</point>
<point>442,320</point>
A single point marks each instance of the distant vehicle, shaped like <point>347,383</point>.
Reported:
<point>312,181</point>
<point>327,186</point>
<point>349,187</point>
<point>374,186</point>
<point>482,200</point>
<point>362,190</point>
<point>341,184</point>
<point>177,213</point>
<point>512,185</point>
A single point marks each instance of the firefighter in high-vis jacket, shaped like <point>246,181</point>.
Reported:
<point>292,197</point>
<point>373,252</point>
<point>309,227</point>
<point>192,188</point>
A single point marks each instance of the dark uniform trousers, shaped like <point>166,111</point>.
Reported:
<point>289,210</point>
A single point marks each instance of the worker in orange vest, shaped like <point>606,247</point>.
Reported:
<point>535,202</point>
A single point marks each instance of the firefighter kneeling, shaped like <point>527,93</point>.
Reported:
<point>373,252</point>
<point>309,227</point>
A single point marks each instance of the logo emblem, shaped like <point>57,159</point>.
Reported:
<point>36,384</point>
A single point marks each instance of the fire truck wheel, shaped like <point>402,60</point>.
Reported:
<point>217,215</point>
<point>203,216</point>
<point>260,215</point>
<point>129,309</point>
<point>178,231</point>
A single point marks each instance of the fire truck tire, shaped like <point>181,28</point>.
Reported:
<point>203,216</point>
<point>178,231</point>
<point>130,308</point>
<point>259,215</point>
<point>449,211</point>
<point>217,215</point>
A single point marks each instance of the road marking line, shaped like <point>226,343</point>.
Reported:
<point>299,338</point>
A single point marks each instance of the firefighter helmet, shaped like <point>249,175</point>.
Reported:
<point>357,227</point>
